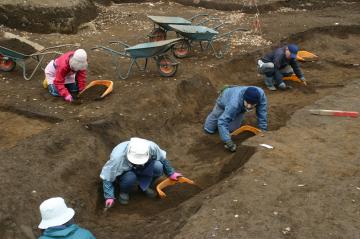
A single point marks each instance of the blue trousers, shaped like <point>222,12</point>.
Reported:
<point>72,87</point>
<point>211,123</point>
<point>129,179</point>
<point>273,75</point>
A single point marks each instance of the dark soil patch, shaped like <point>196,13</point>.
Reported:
<point>93,93</point>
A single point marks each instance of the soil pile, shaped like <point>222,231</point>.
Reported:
<point>93,93</point>
<point>18,46</point>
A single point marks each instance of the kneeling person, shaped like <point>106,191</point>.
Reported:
<point>229,110</point>
<point>66,75</point>
<point>136,161</point>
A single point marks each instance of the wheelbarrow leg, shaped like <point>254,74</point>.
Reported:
<point>158,34</point>
<point>23,66</point>
<point>142,68</point>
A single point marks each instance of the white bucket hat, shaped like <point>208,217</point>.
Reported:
<point>78,61</point>
<point>54,212</point>
<point>138,151</point>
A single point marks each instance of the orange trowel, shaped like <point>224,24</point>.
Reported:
<point>168,182</point>
<point>108,83</point>
<point>306,56</point>
<point>246,128</point>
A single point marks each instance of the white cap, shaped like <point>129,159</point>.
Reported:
<point>54,212</point>
<point>138,151</point>
<point>78,61</point>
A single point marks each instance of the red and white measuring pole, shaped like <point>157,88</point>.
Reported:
<point>353,114</point>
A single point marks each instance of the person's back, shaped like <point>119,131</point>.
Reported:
<point>72,231</point>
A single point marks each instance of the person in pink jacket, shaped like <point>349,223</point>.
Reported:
<point>66,75</point>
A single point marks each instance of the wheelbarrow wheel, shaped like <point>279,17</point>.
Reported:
<point>181,49</point>
<point>166,66</point>
<point>157,34</point>
<point>6,64</point>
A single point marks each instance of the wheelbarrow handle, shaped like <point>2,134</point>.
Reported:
<point>119,42</point>
<point>60,46</point>
<point>198,15</point>
<point>231,32</point>
<point>208,19</point>
<point>220,25</point>
<point>112,51</point>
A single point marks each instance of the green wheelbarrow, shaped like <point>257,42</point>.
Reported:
<point>10,58</point>
<point>166,65</point>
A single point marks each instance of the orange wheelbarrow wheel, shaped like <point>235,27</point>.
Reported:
<point>6,64</point>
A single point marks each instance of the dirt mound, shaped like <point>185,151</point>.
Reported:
<point>195,94</point>
<point>65,16</point>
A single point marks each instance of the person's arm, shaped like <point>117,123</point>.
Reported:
<point>261,113</point>
<point>296,68</point>
<point>81,79</point>
<point>168,169</point>
<point>224,121</point>
<point>109,189</point>
<point>59,82</point>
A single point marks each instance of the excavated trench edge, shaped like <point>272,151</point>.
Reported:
<point>30,114</point>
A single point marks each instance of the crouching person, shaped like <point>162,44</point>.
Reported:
<point>66,75</point>
<point>279,63</point>
<point>230,108</point>
<point>138,161</point>
<point>57,221</point>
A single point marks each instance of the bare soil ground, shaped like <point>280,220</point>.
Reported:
<point>306,187</point>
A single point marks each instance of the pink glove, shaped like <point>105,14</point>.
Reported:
<point>68,98</point>
<point>175,176</point>
<point>109,202</point>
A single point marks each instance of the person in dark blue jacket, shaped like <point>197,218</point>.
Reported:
<point>57,221</point>
<point>229,110</point>
<point>279,63</point>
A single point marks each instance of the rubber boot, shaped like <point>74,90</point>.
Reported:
<point>282,86</point>
<point>269,83</point>
<point>150,193</point>
<point>124,198</point>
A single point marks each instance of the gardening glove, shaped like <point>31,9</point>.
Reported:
<point>230,145</point>
<point>109,202</point>
<point>303,80</point>
<point>68,98</point>
<point>175,176</point>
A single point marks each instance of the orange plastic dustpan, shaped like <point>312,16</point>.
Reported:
<point>306,56</point>
<point>293,77</point>
<point>167,182</point>
<point>246,128</point>
<point>108,83</point>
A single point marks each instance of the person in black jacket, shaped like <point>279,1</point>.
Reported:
<point>279,63</point>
